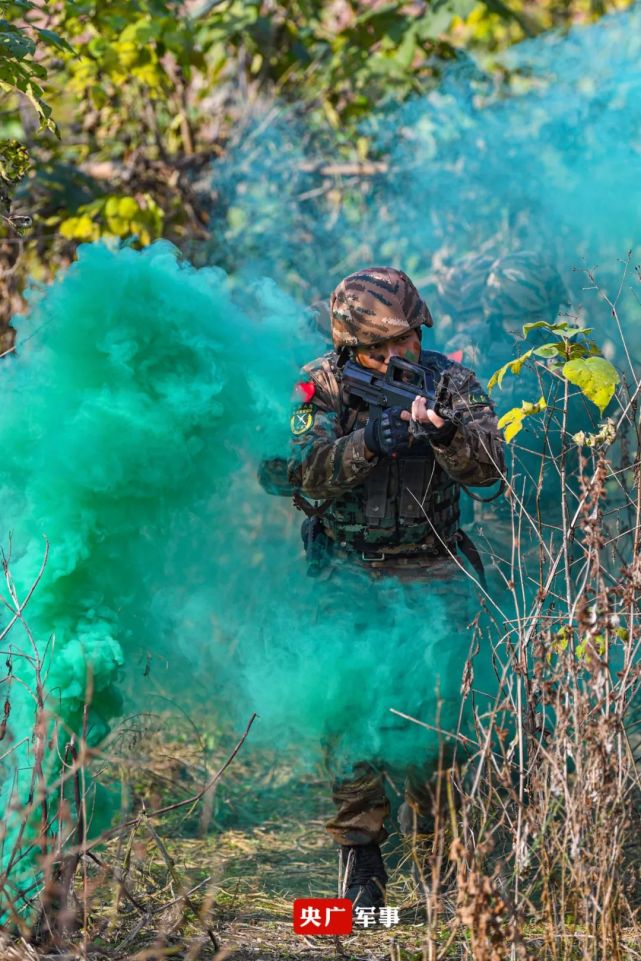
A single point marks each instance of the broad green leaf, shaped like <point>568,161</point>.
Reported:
<point>538,324</point>
<point>577,332</point>
<point>405,52</point>
<point>578,350</point>
<point>436,22</point>
<point>549,350</point>
<point>596,377</point>
<point>14,43</point>
<point>562,327</point>
<point>461,8</point>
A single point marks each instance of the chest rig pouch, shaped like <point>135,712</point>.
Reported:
<point>398,491</point>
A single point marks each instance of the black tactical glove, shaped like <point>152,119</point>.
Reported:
<point>386,433</point>
<point>443,406</point>
<point>441,436</point>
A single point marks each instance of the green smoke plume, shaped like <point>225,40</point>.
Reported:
<point>135,414</point>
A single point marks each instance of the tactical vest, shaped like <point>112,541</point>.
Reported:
<point>404,501</point>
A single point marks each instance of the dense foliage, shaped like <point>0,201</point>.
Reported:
<point>112,109</point>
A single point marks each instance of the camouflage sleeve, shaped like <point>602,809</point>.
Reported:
<point>323,461</point>
<point>474,456</point>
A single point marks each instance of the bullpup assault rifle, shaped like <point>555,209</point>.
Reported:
<point>398,387</point>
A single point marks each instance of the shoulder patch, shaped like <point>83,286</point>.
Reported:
<point>479,397</point>
<point>302,419</point>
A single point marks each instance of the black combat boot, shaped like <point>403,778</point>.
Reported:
<point>363,875</point>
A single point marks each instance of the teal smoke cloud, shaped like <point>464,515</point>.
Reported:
<point>145,397</point>
<point>127,407</point>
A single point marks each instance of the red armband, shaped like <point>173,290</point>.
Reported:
<point>304,391</point>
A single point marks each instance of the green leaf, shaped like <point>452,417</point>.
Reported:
<point>596,377</point>
<point>54,40</point>
<point>436,21</point>
<point>577,332</point>
<point>14,43</point>
<point>562,327</point>
<point>406,50</point>
<point>549,350</point>
<point>578,350</point>
<point>538,324</point>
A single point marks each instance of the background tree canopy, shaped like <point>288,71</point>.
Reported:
<point>114,110</point>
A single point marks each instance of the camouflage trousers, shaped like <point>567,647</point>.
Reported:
<point>363,805</point>
<point>359,789</point>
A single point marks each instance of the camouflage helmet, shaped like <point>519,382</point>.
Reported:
<point>375,304</point>
<point>523,286</point>
<point>517,287</point>
<point>461,286</point>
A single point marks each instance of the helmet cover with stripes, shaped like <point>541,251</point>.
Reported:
<point>375,304</point>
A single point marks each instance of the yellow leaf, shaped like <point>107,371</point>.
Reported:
<point>512,420</point>
<point>512,430</point>
<point>127,53</point>
<point>127,208</point>
<point>515,365</point>
<point>512,365</point>
<point>79,228</point>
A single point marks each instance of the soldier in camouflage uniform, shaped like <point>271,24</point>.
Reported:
<point>486,300</point>
<point>386,487</point>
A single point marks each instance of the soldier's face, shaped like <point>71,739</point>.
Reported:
<point>377,356</point>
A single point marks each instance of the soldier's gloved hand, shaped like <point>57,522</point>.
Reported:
<point>387,432</point>
<point>426,425</point>
<point>441,436</point>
